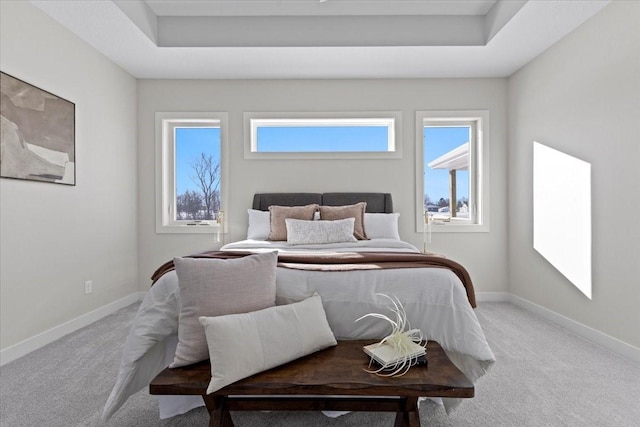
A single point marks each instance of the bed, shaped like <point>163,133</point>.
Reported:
<point>436,292</point>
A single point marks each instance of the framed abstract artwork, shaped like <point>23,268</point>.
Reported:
<point>38,134</point>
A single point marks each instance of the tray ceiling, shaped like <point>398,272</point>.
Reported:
<point>249,39</point>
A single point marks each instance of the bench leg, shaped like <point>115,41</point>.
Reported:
<point>409,417</point>
<point>218,413</point>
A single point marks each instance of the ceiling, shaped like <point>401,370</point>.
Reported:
<point>253,39</point>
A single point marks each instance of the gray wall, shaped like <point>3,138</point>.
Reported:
<point>582,97</point>
<point>54,237</point>
<point>483,253</point>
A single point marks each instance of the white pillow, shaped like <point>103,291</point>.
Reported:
<point>301,232</point>
<point>259,224</point>
<point>381,225</point>
<point>241,345</point>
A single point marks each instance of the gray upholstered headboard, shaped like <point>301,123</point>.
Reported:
<point>376,202</point>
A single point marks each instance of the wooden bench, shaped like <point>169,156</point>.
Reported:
<point>331,379</point>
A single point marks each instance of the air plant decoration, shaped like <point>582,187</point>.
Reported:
<point>402,339</point>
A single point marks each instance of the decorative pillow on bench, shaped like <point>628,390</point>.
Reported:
<point>215,287</point>
<point>241,345</point>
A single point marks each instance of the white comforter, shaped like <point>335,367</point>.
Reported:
<point>387,245</point>
<point>434,299</point>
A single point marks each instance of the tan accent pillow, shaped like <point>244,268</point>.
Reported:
<point>215,287</point>
<point>356,211</point>
<point>280,213</point>
<point>241,345</point>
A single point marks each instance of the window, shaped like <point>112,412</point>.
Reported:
<point>452,165</point>
<point>322,135</point>
<point>191,176</point>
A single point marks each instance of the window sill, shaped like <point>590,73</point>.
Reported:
<point>189,229</point>
<point>450,227</point>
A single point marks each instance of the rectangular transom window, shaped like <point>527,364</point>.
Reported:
<point>191,168</point>
<point>322,135</point>
<point>452,161</point>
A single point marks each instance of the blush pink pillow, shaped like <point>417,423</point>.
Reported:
<point>216,287</point>
<point>280,213</point>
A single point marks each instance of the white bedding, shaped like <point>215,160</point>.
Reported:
<point>387,245</point>
<point>434,299</point>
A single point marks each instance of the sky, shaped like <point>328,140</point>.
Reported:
<point>438,141</point>
<point>190,142</point>
<point>322,138</point>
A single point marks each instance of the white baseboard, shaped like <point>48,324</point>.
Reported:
<point>578,328</point>
<point>40,340</point>
<point>492,296</point>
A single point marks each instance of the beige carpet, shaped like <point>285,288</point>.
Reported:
<point>544,376</point>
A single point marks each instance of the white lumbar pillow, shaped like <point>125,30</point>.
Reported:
<point>241,345</point>
<point>300,232</point>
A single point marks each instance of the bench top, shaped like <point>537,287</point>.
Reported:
<point>337,370</point>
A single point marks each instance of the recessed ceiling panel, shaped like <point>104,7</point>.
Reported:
<point>514,32</point>
<point>317,7</point>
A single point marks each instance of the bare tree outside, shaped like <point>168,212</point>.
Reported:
<point>207,178</point>
<point>201,203</point>
<point>189,205</point>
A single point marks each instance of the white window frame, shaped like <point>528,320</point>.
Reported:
<point>390,119</point>
<point>478,169</point>
<point>166,122</point>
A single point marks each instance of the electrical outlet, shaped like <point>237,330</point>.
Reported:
<point>88,286</point>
